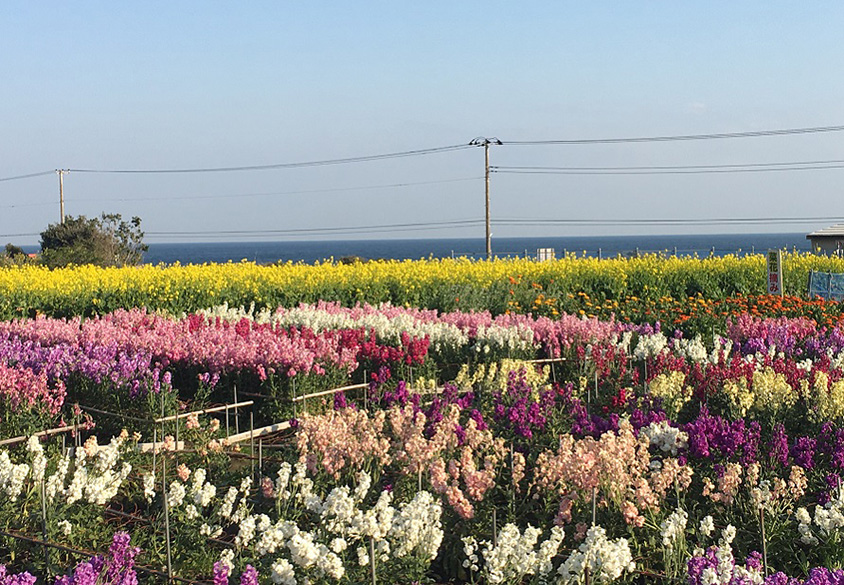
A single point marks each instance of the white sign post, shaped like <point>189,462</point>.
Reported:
<point>775,272</point>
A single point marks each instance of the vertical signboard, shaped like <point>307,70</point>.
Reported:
<point>543,254</point>
<point>775,272</point>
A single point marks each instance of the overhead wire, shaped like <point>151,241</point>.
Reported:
<point>343,229</point>
<point>462,223</point>
<point>665,221</point>
<point>681,137</point>
<point>317,163</point>
<point>29,176</point>
<point>667,171</point>
<point>631,170</point>
<point>275,193</point>
<point>798,165</point>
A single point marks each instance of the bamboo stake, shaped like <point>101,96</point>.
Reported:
<point>764,542</point>
<point>372,558</point>
<point>166,516</point>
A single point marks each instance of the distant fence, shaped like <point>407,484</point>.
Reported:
<point>601,253</point>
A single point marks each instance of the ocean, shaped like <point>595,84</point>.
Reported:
<point>593,246</point>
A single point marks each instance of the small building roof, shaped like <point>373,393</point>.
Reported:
<point>833,231</point>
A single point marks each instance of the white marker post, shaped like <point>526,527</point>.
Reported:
<point>775,272</point>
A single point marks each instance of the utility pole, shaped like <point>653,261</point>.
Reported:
<point>60,173</point>
<point>485,142</point>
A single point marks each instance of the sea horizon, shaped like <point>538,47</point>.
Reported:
<point>418,248</point>
<point>311,251</point>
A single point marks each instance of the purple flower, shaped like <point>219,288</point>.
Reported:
<point>19,579</point>
<point>461,434</point>
<point>221,573</point>
<point>778,447</point>
<point>477,416</point>
<point>340,401</point>
<point>803,452</point>
<point>249,576</point>
<point>713,437</point>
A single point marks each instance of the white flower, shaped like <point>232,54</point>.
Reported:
<point>329,563</point>
<point>650,346</point>
<point>606,559</point>
<point>364,483</point>
<point>513,556</point>
<point>363,556</point>
<point>673,527</point>
<point>664,437</point>
<point>65,527</point>
<point>246,532</point>
<point>227,558</point>
<point>55,483</point>
<point>338,510</point>
<point>282,481</point>
<point>802,516</point>
<point>470,548</point>
<point>276,536</point>
<point>282,572</point>
<point>210,531</point>
<point>149,486</point>
<point>693,349</point>
<point>417,527</point>
<point>338,545</point>
<point>245,485</point>
<point>203,495</point>
<point>303,551</point>
<point>227,505</point>
<point>39,462</point>
<point>176,494</point>
<point>707,526</point>
<point>12,476</point>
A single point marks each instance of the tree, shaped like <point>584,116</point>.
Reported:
<point>13,251</point>
<point>105,241</point>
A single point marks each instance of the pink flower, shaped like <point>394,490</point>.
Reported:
<point>267,487</point>
<point>192,421</point>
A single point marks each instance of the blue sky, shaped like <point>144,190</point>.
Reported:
<point>174,85</point>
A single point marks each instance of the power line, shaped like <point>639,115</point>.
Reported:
<point>680,170</point>
<point>675,167</point>
<point>29,176</point>
<point>274,193</point>
<point>318,163</point>
<point>16,205</point>
<point>17,235</point>
<point>674,221</point>
<point>682,137</point>
<point>462,223</point>
<point>329,230</point>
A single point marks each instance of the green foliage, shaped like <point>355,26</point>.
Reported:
<point>104,241</point>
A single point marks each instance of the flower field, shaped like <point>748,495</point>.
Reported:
<point>517,285</point>
<point>634,420</point>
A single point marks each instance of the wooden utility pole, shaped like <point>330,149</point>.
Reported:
<point>61,173</point>
<point>485,142</point>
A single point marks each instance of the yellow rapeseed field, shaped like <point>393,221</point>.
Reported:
<point>444,284</point>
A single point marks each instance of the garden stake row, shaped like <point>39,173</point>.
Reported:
<point>764,542</point>
<point>44,523</point>
<point>236,414</point>
<point>166,516</point>
<point>39,434</point>
<point>372,558</point>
